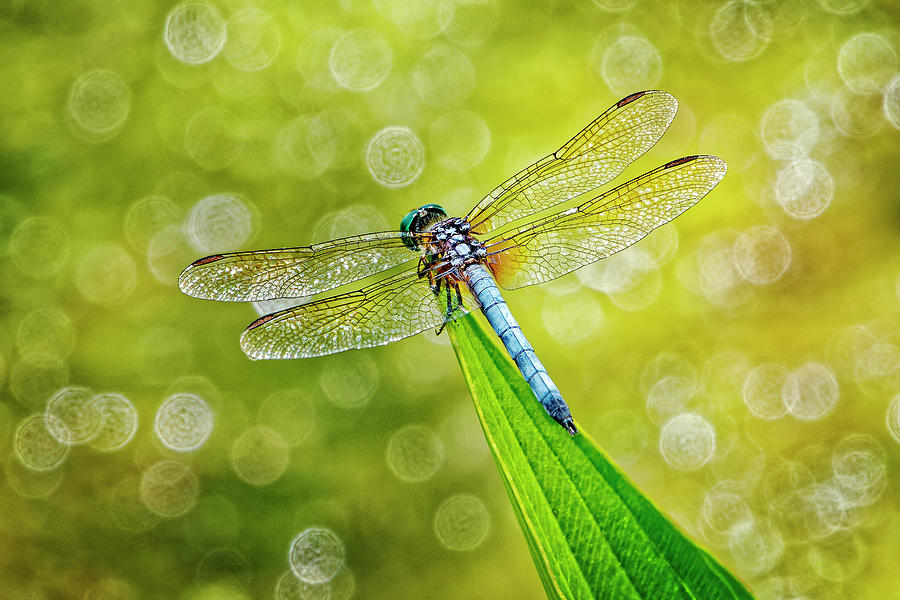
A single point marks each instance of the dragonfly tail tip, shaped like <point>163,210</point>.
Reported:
<point>569,426</point>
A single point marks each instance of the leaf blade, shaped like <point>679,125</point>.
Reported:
<point>591,533</point>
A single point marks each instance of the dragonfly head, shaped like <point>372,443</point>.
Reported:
<point>419,220</point>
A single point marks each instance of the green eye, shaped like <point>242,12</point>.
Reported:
<point>418,220</point>
<point>407,221</point>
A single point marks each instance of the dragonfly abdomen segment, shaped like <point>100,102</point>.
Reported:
<point>520,350</point>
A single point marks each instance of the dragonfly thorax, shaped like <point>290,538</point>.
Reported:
<point>452,242</point>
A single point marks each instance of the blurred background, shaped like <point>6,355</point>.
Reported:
<point>742,365</point>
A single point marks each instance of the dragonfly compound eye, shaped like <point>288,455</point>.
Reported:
<point>419,220</point>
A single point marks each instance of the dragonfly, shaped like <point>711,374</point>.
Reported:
<point>544,222</point>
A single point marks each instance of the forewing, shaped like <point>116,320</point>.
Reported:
<point>293,272</point>
<point>604,225</point>
<point>595,156</point>
<point>384,312</point>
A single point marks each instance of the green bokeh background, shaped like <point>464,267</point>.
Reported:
<point>540,74</point>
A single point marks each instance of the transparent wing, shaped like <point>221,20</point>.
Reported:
<point>293,272</point>
<point>595,156</point>
<point>386,311</point>
<point>611,222</point>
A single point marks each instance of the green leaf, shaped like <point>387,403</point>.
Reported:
<point>591,533</point>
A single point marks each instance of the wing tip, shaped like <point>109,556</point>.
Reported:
<point>185,282</point>
<point>247,347</point>
<point>253,342</point>
<point>723,166</point>
<point>250,344</point>
<point>185,278</point>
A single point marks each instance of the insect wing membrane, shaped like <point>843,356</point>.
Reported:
<point>592,158</point>
<point>293,272</point>
<point>602,226</point>
<point>389,310</point>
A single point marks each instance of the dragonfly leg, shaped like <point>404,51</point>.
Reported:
<point>450,308</point>
<point>449,315</point>
<point>421,269</point>
<point>433,282</point>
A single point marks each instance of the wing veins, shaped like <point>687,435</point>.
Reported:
<point>597,145</point>
<point>595,229</point>
<point>293,272</point>
<point>396,307</point>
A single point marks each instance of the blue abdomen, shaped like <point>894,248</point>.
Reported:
<point>520,350</point>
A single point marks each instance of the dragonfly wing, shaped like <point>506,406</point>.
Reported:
<point>595,156</point>
<point>293,272</point>
<point>386,311</point>
<point>604,225</point>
